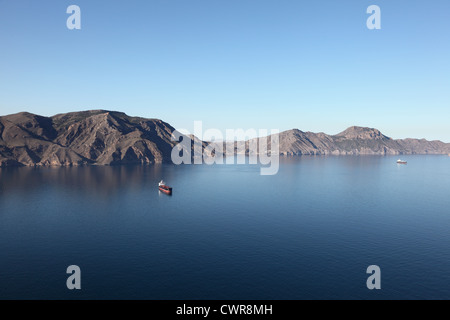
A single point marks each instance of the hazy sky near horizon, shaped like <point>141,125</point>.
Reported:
<point>278,64</point>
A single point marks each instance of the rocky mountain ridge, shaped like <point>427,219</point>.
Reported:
<point>101,137</point>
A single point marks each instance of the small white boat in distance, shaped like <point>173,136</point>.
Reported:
<point>399,161</point>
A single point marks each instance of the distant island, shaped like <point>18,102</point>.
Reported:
<point>101,137</point>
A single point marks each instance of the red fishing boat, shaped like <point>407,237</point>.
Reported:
<point>163,188</point>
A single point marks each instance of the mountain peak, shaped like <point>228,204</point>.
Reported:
<point>99,137</point>
<point>364,133</point>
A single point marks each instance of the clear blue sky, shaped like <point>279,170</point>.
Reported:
<point>282,64</point>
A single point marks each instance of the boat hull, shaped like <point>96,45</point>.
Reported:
<point>165,189</point>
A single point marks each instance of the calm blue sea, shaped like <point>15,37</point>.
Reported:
<point>309,232</point>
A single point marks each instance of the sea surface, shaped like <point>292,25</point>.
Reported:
<point>309,232</point>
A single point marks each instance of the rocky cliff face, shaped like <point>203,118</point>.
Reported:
<point>102,137</point>
<point>353,141</point>
<point>81,138</point>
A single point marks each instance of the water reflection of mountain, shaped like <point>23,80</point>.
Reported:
<point>95,180</point>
